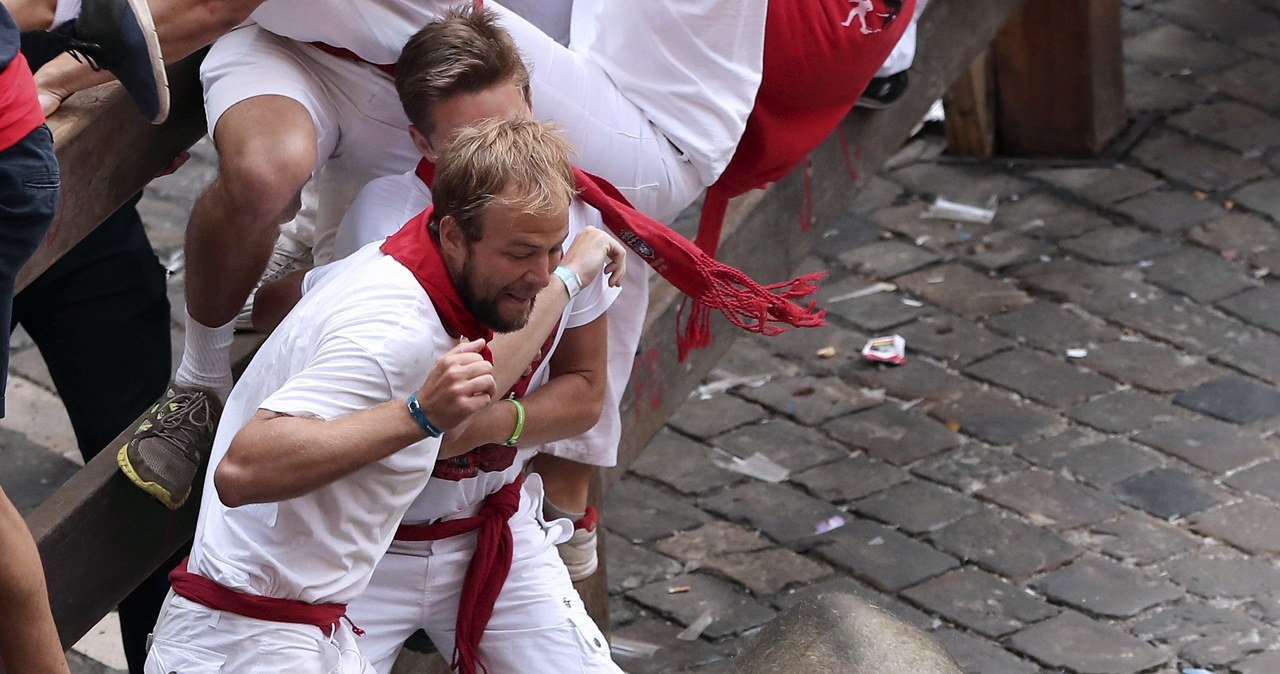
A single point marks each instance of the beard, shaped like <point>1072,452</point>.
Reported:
<point>486,308</point>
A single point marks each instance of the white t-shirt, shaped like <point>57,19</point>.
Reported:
<point>693,66</point>
<point>380,209</point>
<point>365,335</point>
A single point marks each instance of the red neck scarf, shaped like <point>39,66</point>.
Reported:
<point>414,248</point>
<point>709,284</point>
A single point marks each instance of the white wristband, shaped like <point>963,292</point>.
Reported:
<point>571,281</point>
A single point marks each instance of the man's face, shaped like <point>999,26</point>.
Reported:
<point>503,271</point>
<point>503,101</point>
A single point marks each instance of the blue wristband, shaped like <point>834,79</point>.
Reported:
<point>415,411</point>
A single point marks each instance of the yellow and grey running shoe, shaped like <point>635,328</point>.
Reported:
<point>170,442</point>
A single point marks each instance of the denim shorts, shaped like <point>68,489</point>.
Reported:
<point>29,184</point>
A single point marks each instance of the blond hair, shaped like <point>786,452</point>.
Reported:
<point>521,164</point>
<point>465,51</point>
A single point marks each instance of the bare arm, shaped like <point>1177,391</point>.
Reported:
<point>277,457</point>
<point>29,641</point>
<point>275,300</point>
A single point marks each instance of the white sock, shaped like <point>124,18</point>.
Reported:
<point>65,11</point>
<point>206,357</point>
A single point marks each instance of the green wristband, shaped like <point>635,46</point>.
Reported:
<point>515,434</point>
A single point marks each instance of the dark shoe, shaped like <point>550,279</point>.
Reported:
<point>118,35</point>
<point>883,91</point>
<point>170,442</point>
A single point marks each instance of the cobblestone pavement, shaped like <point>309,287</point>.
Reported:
<point>1075,471</point>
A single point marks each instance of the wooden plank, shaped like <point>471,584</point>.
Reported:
<point>108,152</point>
<point>99,535</point>
<point>970,106</point>
<point>1060,78</point>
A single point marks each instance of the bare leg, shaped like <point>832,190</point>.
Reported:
<point>565,483</point>
<point>29,641</point>
<point>31,14</point>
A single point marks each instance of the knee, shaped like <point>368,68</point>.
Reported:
<point>223,15</point>
<point>264,178</point>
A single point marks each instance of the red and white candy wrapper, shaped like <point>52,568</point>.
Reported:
<point>891,349</point>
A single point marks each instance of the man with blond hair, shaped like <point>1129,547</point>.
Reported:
<point>331,433</point>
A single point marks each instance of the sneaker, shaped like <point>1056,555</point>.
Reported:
<point>289,256</point>
<point>579,552</point>
<point>882,92</point>
<point>119,35</point>
<point>170,442</point>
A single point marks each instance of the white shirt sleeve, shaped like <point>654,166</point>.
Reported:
<point>380,210</point>
<point>341,378</point>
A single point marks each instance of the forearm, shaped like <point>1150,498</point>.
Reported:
<point>275,300</point>
<point>564,407</point>
<point>513,351</point>
<point>277,457</point>
<point>29,641</point>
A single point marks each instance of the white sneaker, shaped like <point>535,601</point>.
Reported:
<point>579,552</point>
<point>288,256</point>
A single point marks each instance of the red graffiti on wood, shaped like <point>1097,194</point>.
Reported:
<point>647,384</point>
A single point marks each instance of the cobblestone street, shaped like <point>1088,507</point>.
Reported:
<point>1076,469</point>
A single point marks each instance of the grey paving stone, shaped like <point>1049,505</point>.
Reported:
<point>682,464</point>
<point>1077,643</point>
<point>1096,288</point>
<point>1049,500</point>
<point>979,601</point>
<point>1205,443</point>
<point>1110,461</point>
<point>631,565</point>
<point>1165,49</point>
<point>782,512</point>
<point>1257,306</point>
<point>881,556</point>
<point>1040,377</point>
<point>1101,185</point>
<point>971,467</point>
<point>997,419</point>
<point>935,235</point>
<point>887,259</point>
<point>1136,539</point>
<point>1197,630</point>
<point>875,194</point>
<point>964,291</point>
<point>1170,211</point>
<point>1145,91</point>
<point>1119,245</point>
<point>743,556</point>
<point>917,379</point>
<point>1262,479</point>
<point>79,663</point>
<point>809,400</point>
<point>1247,129</point>
<point>1168,493</point>
<point>849,231</point>
<point>640,512</point>
<point>874,313</point>
<point>1103,587</point>
<point>1184,323</point>
<point>1232,398</point>
<point>673,655</point>
<point>1259,663</point>
<point>1050,452</point>
<point>1197,164</point>
<point>849,479</point>
<point>803,347</point>
<point>1149,365</point>
<point>1052,327</point>
<point>1253,81</point>
<point>1261,196</point>
<point>1224,20</point>
<point>999,250</point>
<point>958,184</point>
<point>1236,235</point>
<point>951,339</point>
<point>1124,411</point>
<point>715,415</point>
<point>1004,545</point>
<point>916,506</point>
<point>976,655</point>
<point>791,446</point>
<point>1045,215</point>
<point>889,434</point>
<point>1199,274</point>
<point>1264,45</point>
<point>746,358</point>
<point>29,473</point>
<point>732,611</point>
<point>1232,577</point>
<point>842,584</point>
<point>1252,351</point>
<point>1248,525</point>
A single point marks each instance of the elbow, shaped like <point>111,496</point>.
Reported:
<point>232,481</point>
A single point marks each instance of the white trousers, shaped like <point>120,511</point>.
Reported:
<point>539,625</point>
<point>194,639</point>
<point>361,130</point>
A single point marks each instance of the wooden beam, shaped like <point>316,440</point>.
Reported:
<point>108,153</point>
<point>970,106</point>
<point>1060,78</point>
